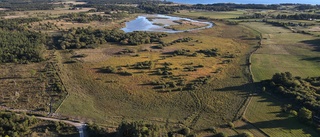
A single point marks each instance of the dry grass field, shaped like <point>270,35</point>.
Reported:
<point>22,86</point>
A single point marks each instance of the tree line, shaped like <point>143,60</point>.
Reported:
<point>86,18</point>
<point>23,5</point>
<point>160,7</point>
<point>304,94</point>
<point>14,125</point>
<point>15,24</point>
<point>302,16</point>
<point>89,38</point>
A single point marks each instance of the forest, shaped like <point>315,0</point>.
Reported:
<point>18,44</point>
<point>22,5</point>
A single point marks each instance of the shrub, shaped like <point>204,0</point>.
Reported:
<point>211,129</point>
<point>185,131</point>
<point>305,114</point>
<point>220,134</point>
<point>126,73</point>
<point>293,113</point>
<point>137,129</point>
<point>109,69</point>
<point>231,125</point>
<point>246,134</point>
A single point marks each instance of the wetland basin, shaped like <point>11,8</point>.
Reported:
<point>164,23</point>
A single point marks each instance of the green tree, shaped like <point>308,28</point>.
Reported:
<point>305,114</point>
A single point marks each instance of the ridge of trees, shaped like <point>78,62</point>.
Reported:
<point>86,18</point>
<point>159,7</point>
<point>302,16</point>
<point>22,5</point>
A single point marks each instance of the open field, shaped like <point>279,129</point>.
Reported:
<point>265,112</point>
<point>42,13</point>
<point>213,14</point>
<point>110,98</point>
<point>17,90</point>
<point>281,51</point>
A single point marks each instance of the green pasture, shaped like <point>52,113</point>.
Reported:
<point>265,112</point>
<point>281,51</point>
<point>213,14</point>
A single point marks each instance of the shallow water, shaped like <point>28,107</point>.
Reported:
<point>141,23</point>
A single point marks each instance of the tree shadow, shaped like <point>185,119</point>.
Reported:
<point>289,123</point>
<point>314,43</point>
<point>100,70</point>
<point>247,88</point>
<point>315,59</point>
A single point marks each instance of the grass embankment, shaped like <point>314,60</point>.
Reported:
<point>110,98</point>
<point>281,51</point>
<point>184,25</point>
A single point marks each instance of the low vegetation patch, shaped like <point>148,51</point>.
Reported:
<point>22,125</point>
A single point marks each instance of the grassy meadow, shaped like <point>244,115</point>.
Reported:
<point>109,98</point>
<point>265,112</point>
<point>213,14</point>
<point>281,51</point>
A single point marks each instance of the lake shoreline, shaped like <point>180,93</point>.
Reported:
<point>165,23</point>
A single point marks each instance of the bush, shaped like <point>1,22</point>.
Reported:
<point>185,131</point>
<point>137,129</point>
<point>126,73</point>
<point>293,113</point>
<point>220,134</point>
<point>109,69</point>
<point>305,114</point>
<point>246,134</point>
<point>231,125</point>
<point>211,129</point>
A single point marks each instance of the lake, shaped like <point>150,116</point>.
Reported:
<point>314,2</point>
<point>159,23</point>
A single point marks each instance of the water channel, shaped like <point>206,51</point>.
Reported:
<point>158,23</point>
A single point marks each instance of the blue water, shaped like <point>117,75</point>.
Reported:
<point>141,23</point>
<point>314,2</point>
